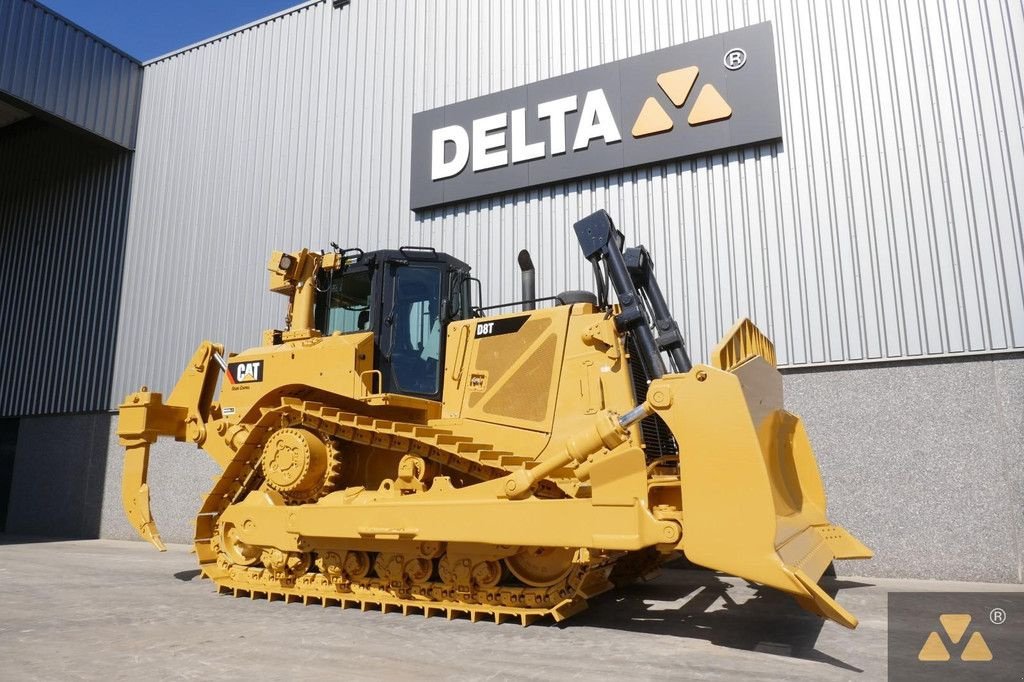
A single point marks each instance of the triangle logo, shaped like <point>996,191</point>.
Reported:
<point>710,107</point>
<point>976,649</point>
<point>677,84</point>
<point>652,119</point>
<point>955,624</point>
<point>933,649</point>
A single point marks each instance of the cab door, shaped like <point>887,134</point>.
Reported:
<point>411,344</point>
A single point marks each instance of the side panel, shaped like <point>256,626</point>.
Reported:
<point>527,381</point>
<point>510,368</point>
<point>595,376</point>
<point>333,364</point>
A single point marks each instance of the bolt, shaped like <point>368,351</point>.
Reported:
<point>661,399</point>
<point>702,375</point>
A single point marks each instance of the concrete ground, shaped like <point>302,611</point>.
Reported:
<point>104,609</point>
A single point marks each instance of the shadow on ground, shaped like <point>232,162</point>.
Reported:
<point>700,605</point>
<point>8,539</point>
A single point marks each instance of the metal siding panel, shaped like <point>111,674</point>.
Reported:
<point>63,218</point>
<point>885,225</point>
<point>54,66</point>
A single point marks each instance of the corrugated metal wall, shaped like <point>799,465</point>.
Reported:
<point>886,225</point>
<point>63,216</point>
<point>53,65</point>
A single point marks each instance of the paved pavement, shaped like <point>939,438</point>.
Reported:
<point>104,609</point>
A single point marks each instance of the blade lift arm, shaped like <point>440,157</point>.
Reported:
<point>632,276</point>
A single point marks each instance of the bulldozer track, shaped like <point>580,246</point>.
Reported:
<point>587,576</point>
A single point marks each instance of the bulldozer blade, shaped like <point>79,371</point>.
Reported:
<point>753,499</point>
<point>135,494</point>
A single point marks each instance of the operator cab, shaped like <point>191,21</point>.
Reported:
<point>406,298</point>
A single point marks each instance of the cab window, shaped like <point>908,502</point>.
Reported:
<point>348,304</point>
<point>416,337</point>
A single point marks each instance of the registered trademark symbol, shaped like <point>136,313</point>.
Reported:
<point>735,58</point>
<point>997,616</point>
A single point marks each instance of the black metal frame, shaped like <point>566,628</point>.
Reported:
<point>632,276</point>
<point>381,266</point>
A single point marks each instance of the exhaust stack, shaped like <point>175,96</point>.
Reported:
<point>529,280</point>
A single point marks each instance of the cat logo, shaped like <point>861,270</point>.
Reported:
<point>955,625</point>
<point>245,372</point>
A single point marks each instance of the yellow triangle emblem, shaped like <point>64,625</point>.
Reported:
<point>933,649</point>
<point>652,119</point>
<point>955,625</point>
<point>710,106</point>
<point>677,84</point>
<point>976,649</point>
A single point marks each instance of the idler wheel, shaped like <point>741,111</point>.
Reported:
<point>286,565</point>
<point>487,573</point>
<point>234,549</point>
<point>357,565</point>
<point>343,566</point>
<point>418,570</point>
<point>541,566</point>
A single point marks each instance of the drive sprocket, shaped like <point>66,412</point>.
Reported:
<point>301,465</point>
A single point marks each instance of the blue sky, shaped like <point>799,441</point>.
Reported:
<point>150,28</point>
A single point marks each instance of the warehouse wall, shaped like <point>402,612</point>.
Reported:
<point>59,70</point>
<point>936,488</point>
<point>63,216</point>
<point>885,225</point>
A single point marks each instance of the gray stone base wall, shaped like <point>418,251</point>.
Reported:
<point>67,481</point>
<point>922,462</point>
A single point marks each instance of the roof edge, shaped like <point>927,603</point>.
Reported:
<point>239,29</point>
<point>89,34</point>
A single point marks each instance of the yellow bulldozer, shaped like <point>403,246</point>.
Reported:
<point>396,447</point>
